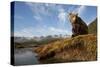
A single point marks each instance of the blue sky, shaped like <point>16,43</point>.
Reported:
<point>42,19</point>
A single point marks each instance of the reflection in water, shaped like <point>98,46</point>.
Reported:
<point>25,56</point>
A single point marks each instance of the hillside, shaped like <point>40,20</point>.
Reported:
<point>79,48</point>
<point>93,27</point>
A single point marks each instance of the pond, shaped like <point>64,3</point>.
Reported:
<point>25,56</point>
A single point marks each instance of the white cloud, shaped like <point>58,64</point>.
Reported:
<point>38,9</point>
<point>29,3</point>
<point>56,30</point>
<point>38,18</point>
<point>30,32</point>
<point>62,15</point>
<point>79,10</point>
<point>26,32</point>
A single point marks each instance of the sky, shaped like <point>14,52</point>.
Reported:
<point>43,19</point>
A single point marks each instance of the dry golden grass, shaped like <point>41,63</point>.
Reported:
<point>80,48</point>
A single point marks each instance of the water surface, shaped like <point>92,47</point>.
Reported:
<point>25,56</point>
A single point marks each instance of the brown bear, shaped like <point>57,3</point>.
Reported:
<point>79,27</point>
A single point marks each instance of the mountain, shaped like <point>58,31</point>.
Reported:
<point>79,48</point>
<point>21,39</point>
<point>92,27</point>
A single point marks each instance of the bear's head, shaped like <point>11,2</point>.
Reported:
<point>72,17</point>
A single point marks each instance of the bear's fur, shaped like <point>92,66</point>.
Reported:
<point>79,27</point>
